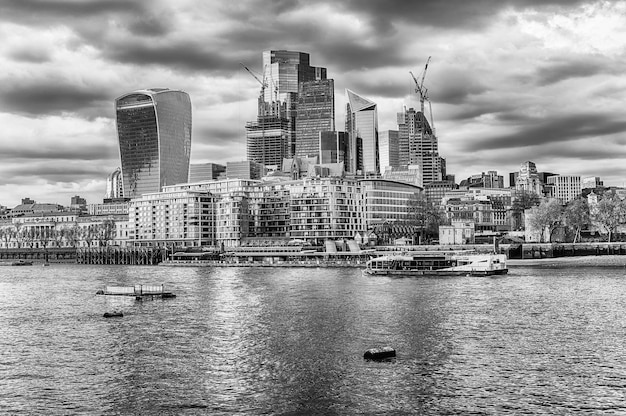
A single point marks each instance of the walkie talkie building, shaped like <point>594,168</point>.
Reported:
<point>154,132</point>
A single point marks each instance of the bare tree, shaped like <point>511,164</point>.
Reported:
<point>89,234</point>
<point>609,213</point>
<point>28,236</point>
<point>7,234</point>
<point>545,216</point>
<point>425,215</point>
<point>105,232</point>
<point>577,215</point>
<point>522,200</point>
<point>18,234</point>
<point>73,235</point>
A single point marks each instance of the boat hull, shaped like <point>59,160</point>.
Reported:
<point>426,273</point>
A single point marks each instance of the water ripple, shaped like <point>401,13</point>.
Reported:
<point>290,341</point>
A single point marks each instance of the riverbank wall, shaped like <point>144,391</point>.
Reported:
<point>94,255</point>
<point>154,256</point>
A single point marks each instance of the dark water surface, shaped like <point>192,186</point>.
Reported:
<point>291,341</point>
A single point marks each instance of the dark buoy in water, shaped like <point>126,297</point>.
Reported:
<point>113,314</point>
<point>379,353</point>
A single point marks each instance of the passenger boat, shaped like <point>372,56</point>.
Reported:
<point>20,262</point>
<point>437,264</point>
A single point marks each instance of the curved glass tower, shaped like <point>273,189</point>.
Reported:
<point>154,132</point>
<point>362,125</point>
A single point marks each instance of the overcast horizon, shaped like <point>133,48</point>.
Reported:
<point>509,81</point>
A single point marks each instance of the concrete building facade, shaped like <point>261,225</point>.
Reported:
<point>565,187</point>
<point>173,218</point>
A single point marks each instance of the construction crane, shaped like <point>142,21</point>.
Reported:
<point>422,91</point>
<point>263,83</point>
<point>419,86</point>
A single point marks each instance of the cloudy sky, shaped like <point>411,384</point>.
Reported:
<point>509,81</point>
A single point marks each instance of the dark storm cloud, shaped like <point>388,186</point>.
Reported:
<point>150,25</point>
<point>563,70</point>
<point>54,152</point>
<point>469,112</point>
<point>387,88</point>
<point>449,14</point>
<point>52,97</point>
<point>185,56</point>
<point>455,87</point>
<point>349,54</point>
<point>587,153</point>
<point>218,135</point>
<point>555,129</point>
<point>47,11</point>
<point>28,174</point>
<point>30,54</point>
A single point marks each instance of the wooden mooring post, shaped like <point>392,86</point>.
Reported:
<point>121,255</point>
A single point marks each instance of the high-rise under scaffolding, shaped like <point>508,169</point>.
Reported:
<point>268,140</point>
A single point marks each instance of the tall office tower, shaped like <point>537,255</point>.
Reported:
<point>115,188</point>
<point>362,126</point>
<point>316,113</point>
<point>283,72</point>
<point>154,131</point>
<point>333,147</point>
<point>388,147</point>
<point>205,171</point>
<point>418,145</point>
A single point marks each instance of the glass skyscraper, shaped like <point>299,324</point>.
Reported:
<point>333,147</point>
<point>272,136</point>
<point>285,70</point>
<point>316,113</point>
<point>362,125</point>
<point>154,132</point>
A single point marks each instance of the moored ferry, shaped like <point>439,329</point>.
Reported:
<point>437,264</point>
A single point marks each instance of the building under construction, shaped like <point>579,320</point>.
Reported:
<point>417,142</point>
<point>418,145</point>
<point>268,140</point>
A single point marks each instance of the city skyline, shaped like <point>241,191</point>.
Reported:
<point>509,81</point>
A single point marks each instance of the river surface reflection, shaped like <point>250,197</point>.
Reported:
<point>291,341</point>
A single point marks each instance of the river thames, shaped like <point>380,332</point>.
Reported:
<point>291,341</point>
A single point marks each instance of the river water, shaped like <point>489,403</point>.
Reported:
<point>291,341</point>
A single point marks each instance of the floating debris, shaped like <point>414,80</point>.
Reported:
<point>379,353</point>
